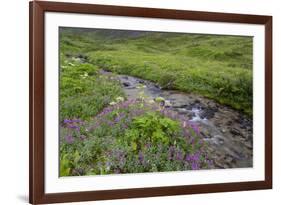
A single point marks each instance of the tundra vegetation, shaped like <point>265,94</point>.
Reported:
<point>103,132</point>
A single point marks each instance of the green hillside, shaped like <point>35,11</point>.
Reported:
<point>218,67</point>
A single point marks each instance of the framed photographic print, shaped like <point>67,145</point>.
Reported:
<point>139,102</point>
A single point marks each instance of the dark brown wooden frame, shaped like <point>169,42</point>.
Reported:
<point>36,113</point>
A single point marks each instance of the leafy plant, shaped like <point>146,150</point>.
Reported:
<point>151,128</point>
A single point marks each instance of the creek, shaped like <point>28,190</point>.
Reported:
<point>227,132</point>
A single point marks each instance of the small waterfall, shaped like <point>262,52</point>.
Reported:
<point>197,118</point>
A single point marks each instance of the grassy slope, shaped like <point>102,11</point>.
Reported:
<point>218,67</point>
<point>83,91</point>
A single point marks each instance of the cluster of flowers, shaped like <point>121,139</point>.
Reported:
<point>74,128</point>
<point>125,112</point>
<point>121,114</point>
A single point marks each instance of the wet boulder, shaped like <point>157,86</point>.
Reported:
<point>126,84</point>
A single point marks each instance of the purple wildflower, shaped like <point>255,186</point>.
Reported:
<point>69,139</point>
<point>122,161</point>
<point>183,119</point>
<point>210,163</point>
<point>188,158</point>
<point>171,152</point>
<point>110,123</point>
<point>141,157</point>
<point>194,166</point>
<point>66,121</point>
<point>119,118</point>
<point>196,156</point>
<point>82,137</point>
<point>75,127</point>
<point>192,140</point>
<point>124,126</point>
<point>179,155</point>
<point>193,157</point>
<point>76,121</point>
<point>195,128</point>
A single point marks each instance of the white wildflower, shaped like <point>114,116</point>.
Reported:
<point>119,99</point>
<point>112,103</point>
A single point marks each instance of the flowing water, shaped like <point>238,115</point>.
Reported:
<point>228,133</point>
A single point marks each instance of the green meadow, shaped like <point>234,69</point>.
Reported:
<point>103,132</point>
<point>217,67</point>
